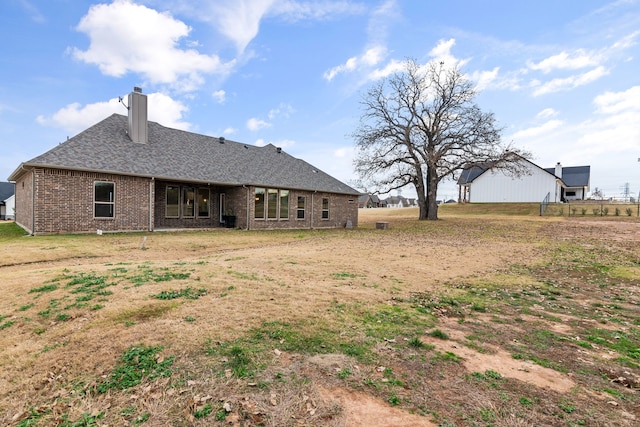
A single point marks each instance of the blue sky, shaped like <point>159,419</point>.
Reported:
<point>562,76</point>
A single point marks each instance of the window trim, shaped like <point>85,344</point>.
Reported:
<point>283,194</point>
<point>166,201</point>
<point>302,209</point>
<point>325,210</point>
<point>256,195</point>
<point>111,203</point>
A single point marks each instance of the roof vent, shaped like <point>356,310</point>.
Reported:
<point>279,150</point>
<point>137,89</point>
<point>221,139</point>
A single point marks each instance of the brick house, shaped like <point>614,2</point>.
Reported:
<point>128,174</point>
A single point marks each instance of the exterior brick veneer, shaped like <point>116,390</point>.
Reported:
<point>66,205</point>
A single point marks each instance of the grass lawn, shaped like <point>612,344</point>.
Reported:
<point>490,316</point>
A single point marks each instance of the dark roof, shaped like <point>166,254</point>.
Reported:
<point>574,176</point>
<point>172,154</point>
<point>468,175</point>
<point>7,189</point>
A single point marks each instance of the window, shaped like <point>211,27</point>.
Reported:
<point>188,202</point>
<point>103,198</point>
<point>570,193</point>
<point>284,204</point>
<point>325,208</point>
<point>173,202</point>
<point>203,202</point>
<point>302,201</point>
<point>259,203</point>
<point>272,203</point>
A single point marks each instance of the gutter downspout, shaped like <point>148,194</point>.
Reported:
<point>248,204</point>
<point>152,187</point>
<point>33,202</point>
<point>312,209</point>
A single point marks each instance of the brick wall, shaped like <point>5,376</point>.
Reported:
<point>342,208</point>
<point>24,201</point>
<point>65,202</point>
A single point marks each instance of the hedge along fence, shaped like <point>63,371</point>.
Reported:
<point>593,208</point>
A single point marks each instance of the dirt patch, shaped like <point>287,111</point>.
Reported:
<point>499,360</point>
<point>360,409</point>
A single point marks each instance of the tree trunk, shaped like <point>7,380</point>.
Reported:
<point>432,195</point>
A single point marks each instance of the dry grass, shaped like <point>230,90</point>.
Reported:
<point>323,327</point>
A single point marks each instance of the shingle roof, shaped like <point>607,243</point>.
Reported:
<point>7,189</point>
<point>574,176</point>
<point>173,154</point>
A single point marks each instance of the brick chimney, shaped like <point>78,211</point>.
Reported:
<point>138,116</point>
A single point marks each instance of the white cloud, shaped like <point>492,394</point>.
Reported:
<point>484,79</point>
<point>220,96</point>
<point>75,118</point>
<point>369,58</point>
<point>534,132</point>
<point>391,67</point>
<point>282,111</point>
<point>126,37</point>
<point>375,51</point>
<point>167,111</point>
<point>571,82</point>
<point>566,61</point>
<point>240,20</point>
<point>546,113</point>
<point>33,12</point>
<point>617,102</point>
<point>257,124</point>
<point>442,53</point>
<point>229,131</point>
<point>319,10</point>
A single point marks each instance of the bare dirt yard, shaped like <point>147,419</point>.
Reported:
<point>476,319</point>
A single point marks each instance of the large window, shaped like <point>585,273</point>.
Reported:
<point>259,203</point>
<point>271,203</point>
<point>203,203</point>
<point>103,199</point>
<point>302,201</point>
<point>173,202</point>
<point>188,202</point>
<point>284,204</point>
<point>325,208</point>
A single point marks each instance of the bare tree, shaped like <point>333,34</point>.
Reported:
<point>420,126</point>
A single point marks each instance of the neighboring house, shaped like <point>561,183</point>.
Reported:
<point>370,201</point>
<point>7,200</point>
<point>399,202</point>
<point>484,184</point>
<point>128,174</point>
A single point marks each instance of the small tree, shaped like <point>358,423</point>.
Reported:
<point>420,126</point>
